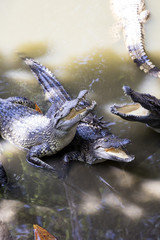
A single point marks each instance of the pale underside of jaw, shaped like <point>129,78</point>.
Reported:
<point>133,109</point>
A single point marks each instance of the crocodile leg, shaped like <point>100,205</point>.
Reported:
<point>74,156</point>
<point>39,151</point>
<point>25,102</point>
<point>70,156</point>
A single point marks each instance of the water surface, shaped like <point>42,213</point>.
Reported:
<point>111,200</point>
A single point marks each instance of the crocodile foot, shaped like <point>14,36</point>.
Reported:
<point>39,151</point>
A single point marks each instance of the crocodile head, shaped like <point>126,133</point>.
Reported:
<point>145,108</point>
<point>71,112</point>
<point>110,148</point>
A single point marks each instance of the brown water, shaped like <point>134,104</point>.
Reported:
<point>74,39</point>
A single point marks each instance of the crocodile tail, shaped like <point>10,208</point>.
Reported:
<point>53,89</point>
<point>139,57</point>
<point>131,16</point>
<point>135,46</point>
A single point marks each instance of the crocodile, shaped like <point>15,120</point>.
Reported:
<point>93,142</point>
<point>41,134</point>
<point>131,16</point>
<point>145,109</point>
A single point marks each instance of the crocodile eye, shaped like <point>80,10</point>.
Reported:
<point>83,103</point>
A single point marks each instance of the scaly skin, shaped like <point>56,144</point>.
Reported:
<point>25,127</point>
<point>93,142</point>
<point>131,15</point>
<point>145,108</point>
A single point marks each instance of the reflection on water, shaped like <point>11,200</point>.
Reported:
<point>106,201</point>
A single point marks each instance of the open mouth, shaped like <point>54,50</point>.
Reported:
<point>78,108</point>
<point>73,113</point>
<point>132,109</point>
<point>114,154</point>
<point>117,152</point>
<point>112,148</point>
<point>81,107</point>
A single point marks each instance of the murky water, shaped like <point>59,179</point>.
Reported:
<point>112,201</point>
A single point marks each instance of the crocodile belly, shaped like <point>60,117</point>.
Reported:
<point>22,126</point>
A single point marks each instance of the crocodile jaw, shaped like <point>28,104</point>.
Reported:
<point>145,108</point>
<point>132,112</point>
<point>74,117</point>
<point>114,154</point>
<point>72,112</point>
<point>112,148</point>
<point>133,109</point>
